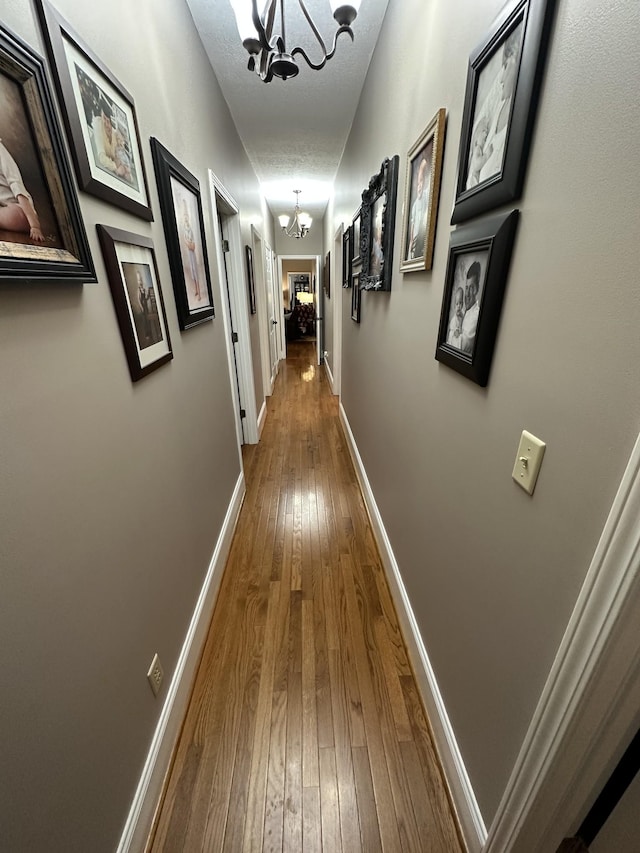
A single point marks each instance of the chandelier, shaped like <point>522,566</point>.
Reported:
<point>267,46</point>
<point>301,221</point>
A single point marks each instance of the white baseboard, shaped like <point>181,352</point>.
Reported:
<point>141,813</point>
<point>329,375</point>
<point>262,417</point>
<point>469,815</point>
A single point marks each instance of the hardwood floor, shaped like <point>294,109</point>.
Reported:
<point>305,731</point>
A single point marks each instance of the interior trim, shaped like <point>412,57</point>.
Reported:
<point>588,709</point>
<point>464,801</point>
<point>146,800</point>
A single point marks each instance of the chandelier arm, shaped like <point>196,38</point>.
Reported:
<point>268,41</point>
<point>313,27</point>
<point>316,67</point>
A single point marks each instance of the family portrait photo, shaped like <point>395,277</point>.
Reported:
<point>466,298</point>
<point>493,108</point>
<point>185,206</point>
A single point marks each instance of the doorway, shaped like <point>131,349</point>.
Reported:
<point>234,310</point>
<point>302,300</point>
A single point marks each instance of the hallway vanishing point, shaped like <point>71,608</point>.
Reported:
<point>305,730</point>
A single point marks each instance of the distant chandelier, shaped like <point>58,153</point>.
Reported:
<point>301,221</point>
<point>268,54</point>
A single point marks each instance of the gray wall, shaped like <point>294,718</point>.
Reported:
<point>492,573</point>
<point>112,494</point>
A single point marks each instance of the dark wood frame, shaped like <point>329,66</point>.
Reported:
<point>494,234</point>
<point>382,187</point>
<point>326,278</point>
<point>347,251</point>
<point>506,186</point>
<point>56,31</point>
<point>432,135</point>
<point>109,238</point>
<point>251,281</point>
<point>168,167</point>
<point>25,259</point>
<point>356,297</point>
<point>355,237</point>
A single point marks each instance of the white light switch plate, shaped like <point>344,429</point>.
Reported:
<point>528,461</point>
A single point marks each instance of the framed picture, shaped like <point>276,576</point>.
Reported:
<point>181,207</point>
<point>479,256</point>
<point>346,256</point>
<point>251,283</point>
<point>355,238</point>
<point>100,118</point>
<point>422,191</point>
<point>137,298</point>
<point>503,85</point>
<point>356,297</point>
<point>327,275</point>
<point>378,217</point>
<point>42,236</point>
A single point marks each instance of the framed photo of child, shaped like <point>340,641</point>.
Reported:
<point>137,298</point>
<point>422,191</point>
<point>479,258</point>
<point>100,119</point>
<point>503,87</point>
<point>181,207</point>
<point>42,236</point>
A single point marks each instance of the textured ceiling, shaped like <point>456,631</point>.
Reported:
<point>294,131</point>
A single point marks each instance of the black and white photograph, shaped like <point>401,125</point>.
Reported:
<point>466,298</point>
<point>41,231</point>
<point>100,118</point>
<point>502,91</point>
<point>494,102</point>
<point>422,192</point>
<point>475,281</point>
<point>133,278</point>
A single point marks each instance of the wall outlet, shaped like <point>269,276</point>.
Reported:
<point>155,674</point>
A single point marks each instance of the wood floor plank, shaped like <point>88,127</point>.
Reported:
<point>305,730</point>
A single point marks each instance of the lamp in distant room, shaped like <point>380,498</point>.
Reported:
<point>265,40</point>
<point>301,221</point>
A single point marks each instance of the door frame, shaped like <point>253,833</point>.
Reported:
<point>317,290</point>
<point>223,203</point>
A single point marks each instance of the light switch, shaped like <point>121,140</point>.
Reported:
<point>528,461</point>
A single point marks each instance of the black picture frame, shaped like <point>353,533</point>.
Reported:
<point>355,237</point>
<point>422,194</point>
<point>133,277</point>
<point>100,119</point>
<point>183,223</point>
<point>347,250</point>
<point>378,217</point>
<point>42,236</point>
<point>326,278</point>
<point>356,297</point>
<point>251,282</point>
<point>479,254</point>
<point>497,130</point>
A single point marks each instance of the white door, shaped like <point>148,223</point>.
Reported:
<point>272,313</point>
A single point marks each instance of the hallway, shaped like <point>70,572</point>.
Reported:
<point>305,731</point>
